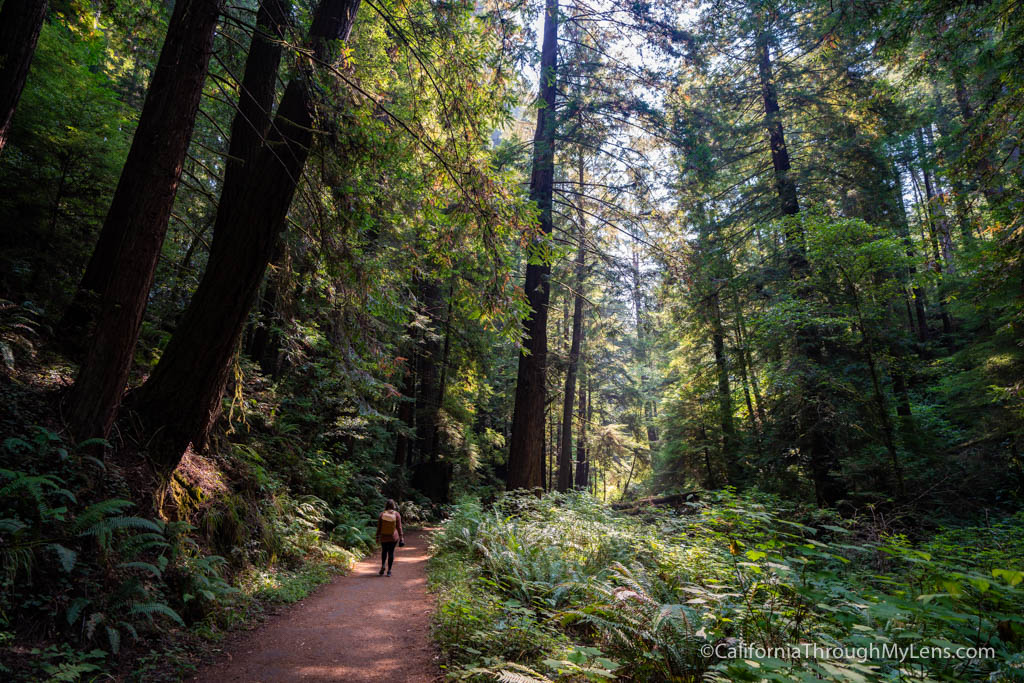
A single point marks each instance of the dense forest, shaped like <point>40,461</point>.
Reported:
<point>687,325</point>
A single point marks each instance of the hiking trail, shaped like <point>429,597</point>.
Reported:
<point>361,627</point>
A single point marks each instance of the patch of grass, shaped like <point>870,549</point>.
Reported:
<point>287,586</point>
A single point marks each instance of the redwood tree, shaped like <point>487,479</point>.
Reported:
<point>565,480</point>
<point>526,449</point>
<point>137,220</point>
<point>20,23</point>
<point>182,397</point>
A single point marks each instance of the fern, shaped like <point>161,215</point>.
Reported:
<point>148,609</point>
<point>66,556</point>
<point>18,326</point>
<point>78,605</point>
<point>114,638</point>
<point>36,486</point>
<point>98,512</point>
<point>70,671</point>
<point>522,674</point>
<point>11,525</point>
<point>104,529</point>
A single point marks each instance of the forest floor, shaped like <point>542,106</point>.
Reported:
<point>360,628</point>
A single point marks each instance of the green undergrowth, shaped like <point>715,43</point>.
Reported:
<point>560,588</point>
<point>94,584</point>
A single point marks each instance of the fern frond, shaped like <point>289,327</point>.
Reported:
<point>104,529</point>
<point>131,629</point>
<point>97,512</point>
<point>75,611</point>
<point>521,674</point>
<point>148,609</point>
<point>67,556</point>
<point>114,637</point>
<point>10,525</point>
<point>34,485</point>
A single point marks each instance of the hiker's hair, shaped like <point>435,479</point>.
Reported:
<point>390,505</point>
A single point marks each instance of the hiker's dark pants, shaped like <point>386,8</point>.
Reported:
<point>387,552</point>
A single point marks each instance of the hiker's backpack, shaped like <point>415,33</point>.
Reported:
<point>388,521</point>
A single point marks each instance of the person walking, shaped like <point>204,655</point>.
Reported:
<point>389,534</point>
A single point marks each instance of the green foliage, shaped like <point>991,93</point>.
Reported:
<point>650,598</point>
<point>62,663</point>
<point>101,573</point>
<point>68,141</point>
<point>19,329</point>
<point>287,586</point>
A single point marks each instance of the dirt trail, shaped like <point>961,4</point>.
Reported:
<point>362,627</point>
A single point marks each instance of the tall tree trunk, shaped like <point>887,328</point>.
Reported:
<point>711,483</point>
<point>724,391</point>
<point>139,213</point>
<point>248,131</point>
<point>629,477</point>
<point>256,95</point>
<point>808,344</point>
<point>934,215</point>
<point>903,226</point>
<point>785,186</point>
<point>582,464</point>
<point>748,361</point>
<point>186,262</point>
<point>881,405</point>
<point>20,24</point>
<point>428,395</point>
<point>745,379</point>
<point>938,202</point>
<point>565,451</point>
<point>525,458</point>
<point>181,399</point>
<point>264,341</point>
<point>903,411</point>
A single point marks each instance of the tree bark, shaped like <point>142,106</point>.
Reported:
<point>934,215</point>
<point>724,391</point>
<point>904,231</point>
<point>139,213</point>
<point>256,94</point>
<point>565,480</point>
<point>748,361</point>
<point>181,399</point>
<point>525,459</point>
<point>813,441</point>
<point>785,186</point>
<point>582,462</point>
<point>249,129</point>
<point>937,202</point>
<point>20,24</point>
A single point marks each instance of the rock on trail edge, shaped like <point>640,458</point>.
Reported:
<point>360,627</point>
